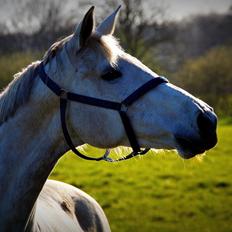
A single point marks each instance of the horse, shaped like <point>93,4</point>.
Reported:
<point>81,79</point>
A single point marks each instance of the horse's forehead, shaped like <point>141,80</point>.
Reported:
<point>94,60</point>
<point>132,65</point>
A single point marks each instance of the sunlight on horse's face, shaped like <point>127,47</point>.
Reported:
<point>166,117</point>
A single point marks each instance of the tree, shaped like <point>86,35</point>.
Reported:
<point>210,78</point>
<point>140,27</point>
<point>38,23</point>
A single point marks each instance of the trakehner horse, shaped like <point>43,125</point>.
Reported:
<point>91,63</point>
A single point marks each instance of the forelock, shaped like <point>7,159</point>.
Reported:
<point>107,45</point>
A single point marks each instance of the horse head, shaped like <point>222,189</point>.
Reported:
<point>92,63</point>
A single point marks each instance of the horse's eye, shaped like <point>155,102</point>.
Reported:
<point>111,74</point>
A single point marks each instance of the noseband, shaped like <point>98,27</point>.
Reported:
<point>121,107</point>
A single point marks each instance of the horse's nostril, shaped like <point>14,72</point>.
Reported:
<point>206,124</point>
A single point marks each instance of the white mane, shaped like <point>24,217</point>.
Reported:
<point>17,92</point>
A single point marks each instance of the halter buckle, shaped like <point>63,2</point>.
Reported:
<point>123,108</point>
<point>106,156</point>
<point>63,94</point>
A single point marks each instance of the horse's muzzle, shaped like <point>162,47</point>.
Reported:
<point>207,139</point>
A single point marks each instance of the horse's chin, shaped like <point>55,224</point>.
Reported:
<point>188,154</point>
<point>188,149</point>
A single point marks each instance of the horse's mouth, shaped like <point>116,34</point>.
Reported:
<point>189,148</point>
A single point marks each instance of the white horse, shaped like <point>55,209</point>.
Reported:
<point>89,62</point>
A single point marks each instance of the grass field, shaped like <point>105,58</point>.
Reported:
<point>160,193</point>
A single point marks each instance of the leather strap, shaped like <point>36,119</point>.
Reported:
<point>63,107</point>
<point>120,107</point>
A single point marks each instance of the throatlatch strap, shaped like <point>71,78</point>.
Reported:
<point>48,81</point>
<point>63,106</point>
<point>129,130</point>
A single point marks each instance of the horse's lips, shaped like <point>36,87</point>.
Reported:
<point>189,148</point>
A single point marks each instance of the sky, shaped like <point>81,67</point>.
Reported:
<point>175,9</point>
<point>178,9</point>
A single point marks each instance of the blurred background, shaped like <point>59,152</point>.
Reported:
<point>190,42</point>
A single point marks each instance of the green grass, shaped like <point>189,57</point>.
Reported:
<point>160,193</point>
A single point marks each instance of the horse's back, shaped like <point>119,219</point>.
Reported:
<point>61,207</point>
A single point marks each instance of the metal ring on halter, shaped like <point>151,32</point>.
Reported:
<point>124,108</point>
<point>105,156</point>
<point>63,94</point>
<point>144,151</point>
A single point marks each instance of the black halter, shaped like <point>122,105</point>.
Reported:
<point>121,107</point>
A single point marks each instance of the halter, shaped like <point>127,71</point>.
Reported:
<point>121,107</point>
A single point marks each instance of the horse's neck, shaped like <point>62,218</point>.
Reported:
<point>31,143</point>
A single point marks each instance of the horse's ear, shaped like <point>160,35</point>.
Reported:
<point>85,28</point>
<point>107,27</point>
